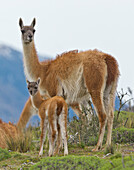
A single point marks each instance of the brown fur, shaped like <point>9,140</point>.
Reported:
<point>54,105</point>
<point>52,111</point>
<point>81,75</point>
<point>25,115</point>
<point>7,130</point>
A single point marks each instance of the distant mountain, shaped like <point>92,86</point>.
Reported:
<point>13,91</point>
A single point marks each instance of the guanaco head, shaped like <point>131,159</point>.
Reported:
<point>33,87</point>
<point>27,31</point>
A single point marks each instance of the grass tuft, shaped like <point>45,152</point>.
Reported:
<point>20,143</point>
<point>110,149</point>
<point>4,154</point>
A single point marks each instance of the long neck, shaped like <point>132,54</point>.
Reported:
<point>37,100</point>
<point>32,66</point>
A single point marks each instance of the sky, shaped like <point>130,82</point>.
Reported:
<point>63,25</point>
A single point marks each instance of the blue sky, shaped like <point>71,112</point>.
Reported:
<point>107,25</point>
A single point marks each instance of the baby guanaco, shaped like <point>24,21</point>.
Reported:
<point>53,114</point>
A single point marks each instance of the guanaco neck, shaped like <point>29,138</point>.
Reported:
<point>37,100</point>
<point>32,66</point>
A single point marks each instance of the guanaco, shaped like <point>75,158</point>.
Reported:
<point>53,115</point>
<point>83,76</point>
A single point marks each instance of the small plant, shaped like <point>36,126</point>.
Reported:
<point>110,149</point>
<point>118,155</point>
<point>20,143</point>
<point>4,154</point>
<point>121,95</point>
<point>81,145</point>
<point>123,135</point>
<point>83,131</point>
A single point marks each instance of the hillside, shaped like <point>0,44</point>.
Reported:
<point>13,91</point>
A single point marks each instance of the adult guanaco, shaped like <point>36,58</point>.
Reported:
<point>80,75</point>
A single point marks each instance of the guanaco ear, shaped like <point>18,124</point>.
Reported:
<point>27,81</point>
<point>38,81</point>
<point>21,23</point>
<point>33,22</point>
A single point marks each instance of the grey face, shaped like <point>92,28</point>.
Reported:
<point>27,34</point>
<point>33,87</point>
<point>27,31</point>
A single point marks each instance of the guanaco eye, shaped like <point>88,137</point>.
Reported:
<point>36,88</point>
<point>23,31</point>
<point>34,31</point>
<point>28,88</point>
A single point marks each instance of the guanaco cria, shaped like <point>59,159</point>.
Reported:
<point>53,114</point>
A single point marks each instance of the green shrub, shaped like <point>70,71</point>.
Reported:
<point>69,163</point>
<point>110,149</point>
<point>86,163</point>
<point>119,163</point>
<point>123,135</point>
<point>4,154</point>
<point>118,155</point>
<point>86,131</point>
<point>83,131</point>
<point>125,119</point>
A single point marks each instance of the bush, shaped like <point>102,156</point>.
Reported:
<point>85,131</point>
<point>82,162</point>
<point>123,135</point>
<point>126,119</point>
<point>21,143</point>
<point>69,163</point>
<point>109,149</point>
<point>4,154</point>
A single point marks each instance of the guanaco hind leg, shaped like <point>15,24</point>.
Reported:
<point>110,113</point>
<point>44,124</point>
<point>97,99</point>
<point>53,133</point>
<point>59,142</point>
<point>63,126</point>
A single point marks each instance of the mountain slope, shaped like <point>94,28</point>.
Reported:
<point>13,91</point>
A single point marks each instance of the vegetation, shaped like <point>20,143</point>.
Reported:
<point>79,158</point>
<point>82,137</point>
<point>22,143</point>
<point>85,130</point>
<point>82,162</point>
<point>4,154</point>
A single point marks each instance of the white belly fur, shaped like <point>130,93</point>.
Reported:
<point>75,88</point>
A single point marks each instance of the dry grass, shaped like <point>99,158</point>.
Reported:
<point>7,130</point>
